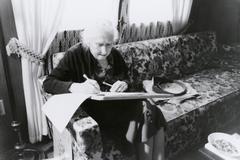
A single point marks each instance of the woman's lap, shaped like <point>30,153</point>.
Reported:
<point>112,113</point>
<point>136,119</point>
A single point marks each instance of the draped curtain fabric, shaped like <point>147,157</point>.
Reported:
<point>37,22</point>
<point>147,11</point>
<point>141,17</point>
<point>122,17</point>
<point>83,13</point>
<point>181,13</point>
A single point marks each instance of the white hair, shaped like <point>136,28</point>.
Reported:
<point>100,27</point>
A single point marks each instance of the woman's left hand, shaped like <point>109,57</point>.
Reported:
<point>119,86</point>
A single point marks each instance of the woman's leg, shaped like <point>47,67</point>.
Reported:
<point>153,149</point>
<point>145,150</point>
<point>158,145</point>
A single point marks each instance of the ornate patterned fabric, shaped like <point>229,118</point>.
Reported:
<point>87,143</point>
<point>195,60</point>
<point>194,119</point>
<point>170,57</point>
<point>216,108</point>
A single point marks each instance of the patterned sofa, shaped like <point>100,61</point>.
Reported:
<point>193,58</point>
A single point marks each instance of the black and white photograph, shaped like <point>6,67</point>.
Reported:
<point>119,80</point>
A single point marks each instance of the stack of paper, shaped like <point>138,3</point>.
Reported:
<point>59,109</point>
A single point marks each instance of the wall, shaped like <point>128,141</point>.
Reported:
<point>222,16</point>
<point>12,66</point>
<point>7,136</point>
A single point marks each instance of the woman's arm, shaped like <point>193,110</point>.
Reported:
<point>59,80</point>
<point>68,75</point>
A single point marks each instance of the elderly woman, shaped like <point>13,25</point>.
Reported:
<point>84,69</point>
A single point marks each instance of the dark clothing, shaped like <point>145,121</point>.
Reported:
<point>131,120</point>
<point>78,61</point>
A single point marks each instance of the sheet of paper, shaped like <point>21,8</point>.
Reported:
<point>60,108</point>
<point>125,95</point>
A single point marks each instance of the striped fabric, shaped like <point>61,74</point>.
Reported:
<point>133,33</point>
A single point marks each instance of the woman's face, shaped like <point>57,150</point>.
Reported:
<point>101,45</point>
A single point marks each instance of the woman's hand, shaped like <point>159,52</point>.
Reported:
<point>90,86</point>
<point>119,86</point>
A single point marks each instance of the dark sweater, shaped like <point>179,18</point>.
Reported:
<point>78,61</point>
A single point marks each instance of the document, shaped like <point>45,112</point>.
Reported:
<point>127,95</point>
<point>59,109</point>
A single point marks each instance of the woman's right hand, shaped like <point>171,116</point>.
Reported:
<point>90,86</point>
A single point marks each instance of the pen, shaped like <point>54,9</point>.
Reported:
<point>110,85</point>
<point>85,76</point>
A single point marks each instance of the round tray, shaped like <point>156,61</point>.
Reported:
<point>175,88</point>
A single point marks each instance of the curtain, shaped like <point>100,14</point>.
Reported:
<point>122,16</point>
<point>82,13</point>
<point>145,19</point>
<point>181,13</point>
<point>145,12</point>
<point>37,22</point>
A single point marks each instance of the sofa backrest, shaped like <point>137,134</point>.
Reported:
<point>170,57</point>
<point>62,41</point>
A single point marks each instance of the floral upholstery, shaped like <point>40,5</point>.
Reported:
<point>193,120</point>
<point>87,143</point>
<point>194,59</point>
<point>216,107</point>
<point>170,57</point>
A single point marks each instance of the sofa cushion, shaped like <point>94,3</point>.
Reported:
<point>170,57</point>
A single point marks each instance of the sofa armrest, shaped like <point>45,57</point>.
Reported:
<point>87,142</point>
